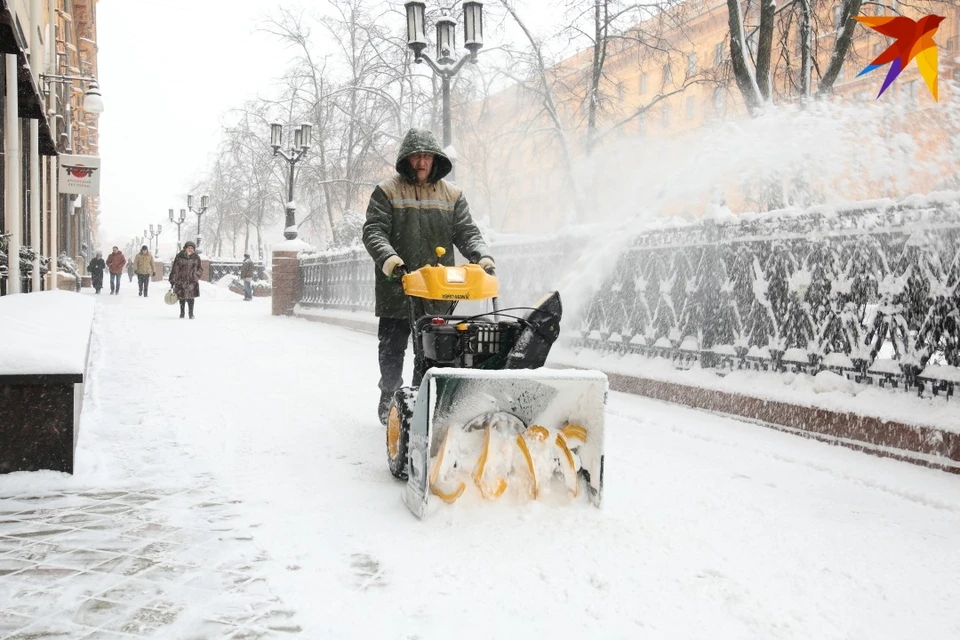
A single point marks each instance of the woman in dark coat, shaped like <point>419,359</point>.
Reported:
<point>185,276</point>
<point>96,269</point>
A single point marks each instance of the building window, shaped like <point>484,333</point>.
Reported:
<point>719,99</point>
<point>643,83</point>
<point>910,93</point>
<point>718,54</point>
<point>667,75</point>
<point>691,64</point>
<point>691,107</point>
<point>665,115</point>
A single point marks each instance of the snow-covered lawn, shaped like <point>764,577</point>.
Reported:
<point>711,528</point>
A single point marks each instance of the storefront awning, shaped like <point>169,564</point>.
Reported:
<point>29,98</point>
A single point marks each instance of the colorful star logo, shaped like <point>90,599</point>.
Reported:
<point>914,39</point>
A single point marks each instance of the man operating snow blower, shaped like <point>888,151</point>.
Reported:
<point>408,216</point>
<point>482,418</point>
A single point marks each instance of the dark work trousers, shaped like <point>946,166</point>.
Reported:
<point>115,282</point>
<point>143,282</point>
<point>393,334</point>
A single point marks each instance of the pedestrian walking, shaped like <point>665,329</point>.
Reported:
<point>185,273</point>
<point>143,267</point>
<point>115,263</point>
<point>408,217</point>
<point>246,274</point>
<point>96,269</point>
<point>130,270</point>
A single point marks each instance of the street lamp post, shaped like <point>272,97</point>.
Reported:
<point>204,203</point>
<point>178,221</point>
<point>445,65</point>
<point>154,236</point>
<point>299,148</point>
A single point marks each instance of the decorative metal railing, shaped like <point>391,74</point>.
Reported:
<point>869,292</point>
<point>338,280</point>
<point>220,268</point>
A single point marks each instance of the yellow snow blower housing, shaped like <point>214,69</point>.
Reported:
<point>465,282</point>
<point>483,419</point>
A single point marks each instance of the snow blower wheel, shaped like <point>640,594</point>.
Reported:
<point>398,431</point>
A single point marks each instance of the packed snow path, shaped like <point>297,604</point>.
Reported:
<point>711,527</point>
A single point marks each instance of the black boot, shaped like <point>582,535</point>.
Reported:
<point>183,304</point>
<point>190,304</point>
<point>383,408</point>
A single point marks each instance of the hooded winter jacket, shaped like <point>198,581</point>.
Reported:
<point>115,262</point>
<point>143,264</point>
<point>411,220</point>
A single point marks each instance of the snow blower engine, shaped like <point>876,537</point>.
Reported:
<point>483,420</point>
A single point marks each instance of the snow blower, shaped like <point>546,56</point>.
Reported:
<point>483,420</point>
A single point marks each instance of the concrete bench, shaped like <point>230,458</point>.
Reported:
<point>43,363</point>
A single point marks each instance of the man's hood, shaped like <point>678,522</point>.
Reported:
<point>422,141</point>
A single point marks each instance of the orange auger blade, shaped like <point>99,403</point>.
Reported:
<point>451,497</point>
<point>526,454</point>
<point>447,496</point>
<point>562,443</point>
<point>486,492</point>
<point>537,432</point>
<point>574,432</point>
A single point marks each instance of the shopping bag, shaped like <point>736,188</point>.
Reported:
<point>170,297</point>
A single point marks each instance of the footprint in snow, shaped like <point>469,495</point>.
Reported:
<point>367,571</point>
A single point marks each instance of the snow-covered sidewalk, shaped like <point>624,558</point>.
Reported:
<point>256,440</point>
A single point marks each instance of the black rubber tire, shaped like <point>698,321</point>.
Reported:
<point>401,410</point>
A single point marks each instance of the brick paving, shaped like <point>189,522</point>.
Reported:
<point>131,564</point>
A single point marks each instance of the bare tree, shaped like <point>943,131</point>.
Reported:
<point>755,81</point>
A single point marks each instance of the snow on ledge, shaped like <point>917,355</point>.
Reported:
<point>292,245</point>
<point>45,332</point>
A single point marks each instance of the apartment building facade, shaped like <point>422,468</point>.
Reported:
<point>50,108</point>
<point>542,162</point>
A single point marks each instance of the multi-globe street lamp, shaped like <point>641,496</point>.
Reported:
<point>445,65</point>
<point>154,235</point>
<point>299,148</point>
<point>178,221</point>
<point>204,203</point>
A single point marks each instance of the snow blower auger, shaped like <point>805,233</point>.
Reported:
<point>483,420</point>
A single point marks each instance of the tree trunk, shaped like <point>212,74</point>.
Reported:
<point>768,15</point>
<point>599,56</point>
<point>840,46</point>
<point>804,29</point>
<point>746,81</point>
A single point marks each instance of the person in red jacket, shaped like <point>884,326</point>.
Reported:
<point>115,262</point>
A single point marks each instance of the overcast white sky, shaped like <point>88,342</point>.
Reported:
<point>169,70</point>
